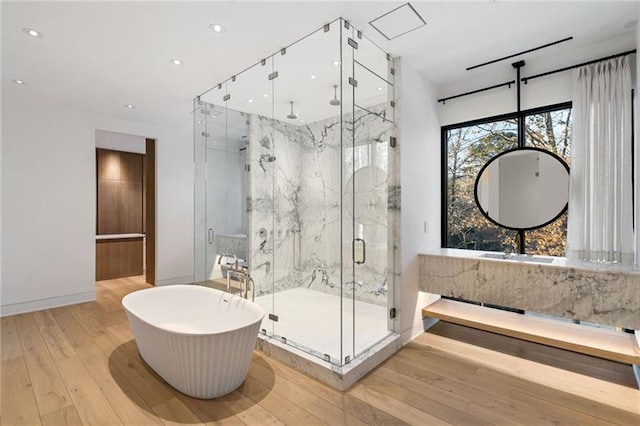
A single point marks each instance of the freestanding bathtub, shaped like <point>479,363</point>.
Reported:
<point>198,339</point>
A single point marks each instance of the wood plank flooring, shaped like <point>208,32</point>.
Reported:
<point>80,365</point>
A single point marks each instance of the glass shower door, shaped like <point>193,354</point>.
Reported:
<point>371,185</point>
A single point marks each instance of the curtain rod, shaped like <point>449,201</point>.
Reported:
<point>628,52</point>
<point>506,83</point>
<point>520,53</point>
<point>525,79</point>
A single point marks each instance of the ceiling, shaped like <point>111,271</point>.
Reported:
<point>99,56</point>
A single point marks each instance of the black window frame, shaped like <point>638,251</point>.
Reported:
<point>519,117</point>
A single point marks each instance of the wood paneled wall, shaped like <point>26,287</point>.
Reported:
<point>118,258</point>
<point>120,192</point>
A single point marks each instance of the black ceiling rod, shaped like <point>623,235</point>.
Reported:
<point>521,237</point>
<point>506,83</point>
<point>617,55</point>
<point>518,65</point>
<point>519,53</point>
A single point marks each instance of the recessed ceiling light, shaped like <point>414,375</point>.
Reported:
<point>16,81</point>
<point>216,28</point>
<point>32,32</point>
<point>380,89</point>
<point>175,61</point>
<point>250,100</point>
<point>302,121</point>
<point>336,62</point>
<point>200,122</point>
<point>312,77</point>
<point>129,106</point>
<point>266,95</point>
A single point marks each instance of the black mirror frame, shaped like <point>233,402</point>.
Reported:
<point>531,148</point>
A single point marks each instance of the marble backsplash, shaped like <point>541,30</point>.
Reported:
<point>305,184</point>
<point>581,293</point>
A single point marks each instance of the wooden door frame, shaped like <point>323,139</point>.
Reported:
<point>150,182</point>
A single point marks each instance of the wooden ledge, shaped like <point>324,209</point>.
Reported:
<point>601,343</point>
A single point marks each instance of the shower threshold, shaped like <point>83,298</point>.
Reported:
<point>307,335</point>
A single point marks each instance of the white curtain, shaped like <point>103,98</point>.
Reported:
<point>600,222</point>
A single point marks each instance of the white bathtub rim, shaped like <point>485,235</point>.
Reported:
<point>254,306</point>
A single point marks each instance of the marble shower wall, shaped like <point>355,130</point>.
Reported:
<point>297,200</point>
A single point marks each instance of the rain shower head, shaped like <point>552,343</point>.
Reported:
<point>335,101</point>
<point>293,115</point>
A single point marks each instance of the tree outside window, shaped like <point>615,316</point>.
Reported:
<point>467,148</point>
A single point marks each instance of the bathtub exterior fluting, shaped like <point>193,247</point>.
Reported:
<point>198,339</point>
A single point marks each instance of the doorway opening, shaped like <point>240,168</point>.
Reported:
<point>125,207</point>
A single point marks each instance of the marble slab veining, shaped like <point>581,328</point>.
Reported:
<point>305,183</point>
<point>596,295</point>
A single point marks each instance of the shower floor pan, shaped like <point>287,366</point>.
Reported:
<point>309,321</point>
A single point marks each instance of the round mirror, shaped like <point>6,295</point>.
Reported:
<point>523,188</point>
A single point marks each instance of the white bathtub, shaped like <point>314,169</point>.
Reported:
<point>199,340</point>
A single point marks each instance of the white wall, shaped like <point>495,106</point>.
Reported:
<point>48,199</point>
<point>419,142</point>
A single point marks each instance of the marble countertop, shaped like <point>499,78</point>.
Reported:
<point>118,236</point>
<point>562,262</point>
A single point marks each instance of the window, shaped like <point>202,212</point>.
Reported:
<point>467,147</point>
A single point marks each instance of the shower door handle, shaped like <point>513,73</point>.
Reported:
<point>359,251</point>
<point>210,235</point>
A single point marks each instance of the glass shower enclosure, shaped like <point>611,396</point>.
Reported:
<point>296,176</point>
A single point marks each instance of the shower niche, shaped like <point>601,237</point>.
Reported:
<point>296,176</point>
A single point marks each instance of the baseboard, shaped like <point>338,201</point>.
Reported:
<point>47,303</point>
<point>417,329</point>
<point>188,279</point>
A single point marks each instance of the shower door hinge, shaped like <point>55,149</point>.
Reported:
<point>220,86</point>
<point>263,62</point>
<point>353,82</point>
<point>392,313</point>
<point>352,43</point>
<point>326,28</point>
<point>347,25</point>
<point>226,97</point>
<point>283,51</point>
<point>359,34</point>
<point>347,359</point>
<point>247,167</point>
<point>392,71</point>
<point>393,104</point>
<point>359,254</point>
<point>273,75</point>
<point>233,78</point>
<point>205,134</point>
<point>393,142</point>
<point>273,317</point>
<point>388,57</point>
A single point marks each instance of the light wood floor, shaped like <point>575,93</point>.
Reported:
<point>79,365</point>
